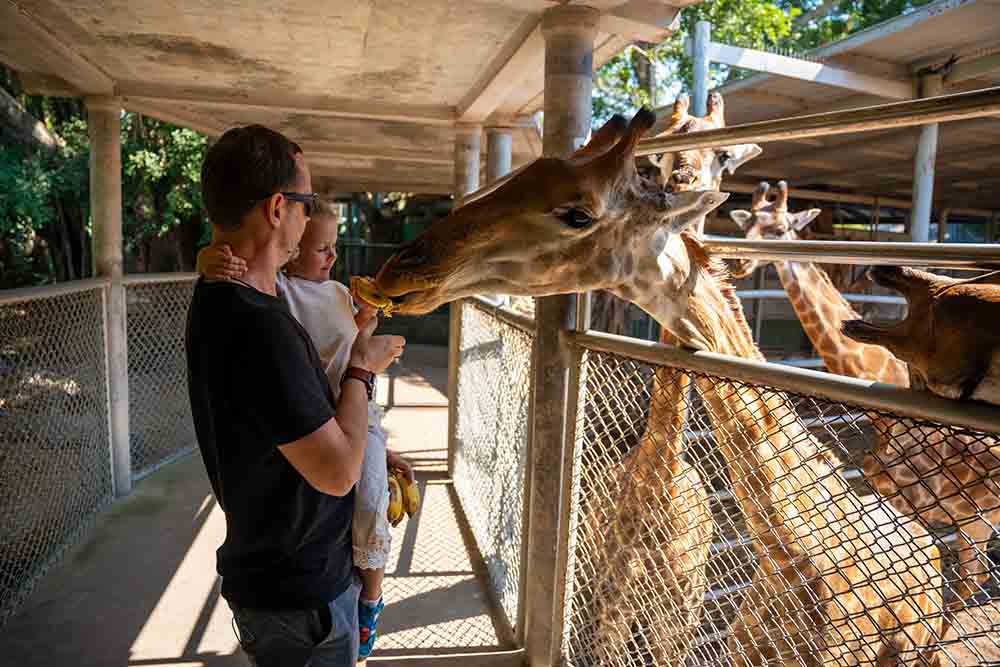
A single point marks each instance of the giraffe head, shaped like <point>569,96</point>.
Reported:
<point>949,338</point>
<point>769,219</point>
<point>556,226</point>
<point>703,168</point>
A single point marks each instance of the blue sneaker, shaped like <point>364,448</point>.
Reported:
<point>367,622</point>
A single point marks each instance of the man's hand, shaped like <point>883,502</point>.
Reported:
<point>399,462</point>
<point>217,262</point>
<point>374,353</point>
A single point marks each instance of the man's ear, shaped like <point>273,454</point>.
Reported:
<point>741,218</point>
<point>803,218</point>
<point>274,209</point>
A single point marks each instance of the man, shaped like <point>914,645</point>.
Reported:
<point>281,456</point>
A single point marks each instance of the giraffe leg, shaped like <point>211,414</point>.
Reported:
<point>973,564</point>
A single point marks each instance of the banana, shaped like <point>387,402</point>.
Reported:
<point>395,513</point>
<point>411,493</point>
<point>364,289</point>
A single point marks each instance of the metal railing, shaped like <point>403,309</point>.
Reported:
<point>683,464</point>
<point>160,425</point>
<point>55,467</point>
<point>489,449</point>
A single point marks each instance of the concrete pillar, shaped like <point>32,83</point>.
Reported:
<point>699,56</point>
<point>467,158</point>
<point>923,167</point>
<point>104,126</point>
<point>499,142</point>
<point>569,32</point>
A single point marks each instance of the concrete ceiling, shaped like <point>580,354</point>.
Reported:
<point>371,90</point>
<point>881,163</point>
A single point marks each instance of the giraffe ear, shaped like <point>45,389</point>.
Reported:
<point>741,218</point>
<point>803,218</point>
<point>691,206</point>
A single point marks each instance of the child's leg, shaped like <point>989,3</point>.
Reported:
<point>372,536</point>
<point>371,584</point>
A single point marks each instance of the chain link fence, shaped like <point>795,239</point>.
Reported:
<point>722,522</point>
<point>160,423</point>
<point>494,379</point>
<point>55,471</point>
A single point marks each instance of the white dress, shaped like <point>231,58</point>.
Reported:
<point>326,311</point>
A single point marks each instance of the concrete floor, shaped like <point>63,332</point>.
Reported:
<point>141,590</point>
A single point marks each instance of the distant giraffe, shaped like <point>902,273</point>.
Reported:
<point>942,481</point>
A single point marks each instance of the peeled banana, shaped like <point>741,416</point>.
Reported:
<point>411,492</point>
<point>395,513</point>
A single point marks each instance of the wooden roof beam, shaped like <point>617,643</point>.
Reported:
<point>307,105</point>
<point>806,70</point>
<point>35,48</point>
<point>520,64</point>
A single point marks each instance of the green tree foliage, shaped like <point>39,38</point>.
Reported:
<point>45,227</point>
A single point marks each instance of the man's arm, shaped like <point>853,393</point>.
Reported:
<point>330,457</point>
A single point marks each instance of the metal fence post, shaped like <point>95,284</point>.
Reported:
<point>467,142</point>
<point>931,85</point>
<point>699,75</point>
<point>569,33</point>
<point>104,127</point>
<point>454,358</point>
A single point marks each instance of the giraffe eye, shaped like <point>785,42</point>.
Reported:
<point>577,218</point>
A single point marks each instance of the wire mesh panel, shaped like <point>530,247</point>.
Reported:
<point>721,522</point>
<point>159,410</point>
<point>491,444</point>
<point>55,470</point>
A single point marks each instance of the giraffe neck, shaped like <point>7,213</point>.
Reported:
<point>664,438</point>
<point>779,477</point>
<point>821,309</point>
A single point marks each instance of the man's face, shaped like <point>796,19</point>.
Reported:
<point>295,221</point>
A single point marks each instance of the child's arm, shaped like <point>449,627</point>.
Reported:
<point>217,262</point>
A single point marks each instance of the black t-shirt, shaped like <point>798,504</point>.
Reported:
<point>256,382</point>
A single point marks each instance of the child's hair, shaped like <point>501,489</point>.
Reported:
<point>323,208</point>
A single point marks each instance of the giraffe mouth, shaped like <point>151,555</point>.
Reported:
<point>863,332</point>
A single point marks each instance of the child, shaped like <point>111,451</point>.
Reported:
<point>326,310</point>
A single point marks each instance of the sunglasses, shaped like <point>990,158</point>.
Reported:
<point>308,200</point>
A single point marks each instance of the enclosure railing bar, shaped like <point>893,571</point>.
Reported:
<point>810,423</point>
<point>940,109</point>
<point>873,395</point>
<point>504,314</point>
<point>955,255</point>
<point>158,278</point>
<point>20,294</point>
<point>856,298</point>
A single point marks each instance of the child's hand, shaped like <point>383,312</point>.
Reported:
<point>365,317</point>
<point>217,262</point>
<point>401,463</point>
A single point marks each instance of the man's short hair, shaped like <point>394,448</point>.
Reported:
<point>245,165</point>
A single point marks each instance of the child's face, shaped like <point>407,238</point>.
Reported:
<point>317,250</point>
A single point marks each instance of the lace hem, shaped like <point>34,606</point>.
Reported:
<point>372,558</point>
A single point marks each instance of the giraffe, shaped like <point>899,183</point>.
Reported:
<point>660,492</point>
<point>949,336</point>
<point>839,581</point>
<point>940,480</point>
<point>656,494</point>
